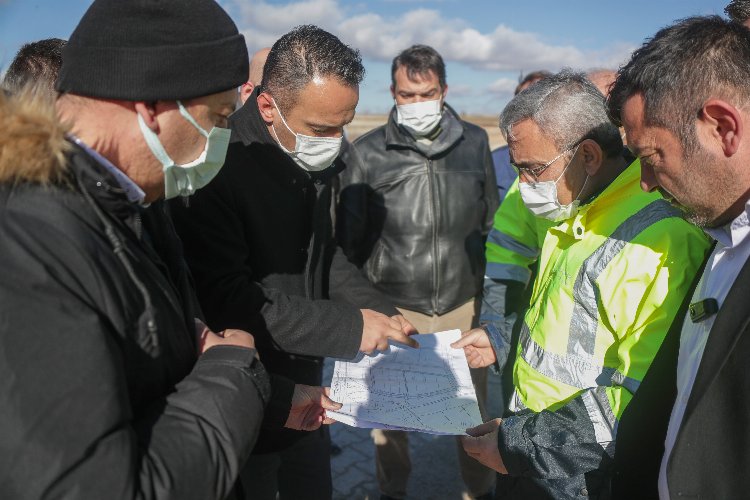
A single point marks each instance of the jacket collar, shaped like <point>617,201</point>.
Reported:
<point>103,187</point>
<point>452,130</point>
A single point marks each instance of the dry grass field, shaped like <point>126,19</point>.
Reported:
<point>365,123</point>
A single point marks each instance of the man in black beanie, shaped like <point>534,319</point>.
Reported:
<point>109,385</point>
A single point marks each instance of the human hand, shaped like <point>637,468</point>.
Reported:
<point>477,348</point>
<point>207,339</point>
<point>309,405</point>
<point>406,326</point>
<point>481,445</point>
<point>378,328</point>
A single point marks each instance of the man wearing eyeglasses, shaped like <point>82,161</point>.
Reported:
<point>614,270</point>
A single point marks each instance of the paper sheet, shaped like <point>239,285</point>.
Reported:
<point>427,389</point>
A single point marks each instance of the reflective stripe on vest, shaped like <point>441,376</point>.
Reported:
<point>585,318</point>
<point>509,243</point>
<point>577,368</point>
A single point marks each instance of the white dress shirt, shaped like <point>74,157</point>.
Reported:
<point>730,254</point>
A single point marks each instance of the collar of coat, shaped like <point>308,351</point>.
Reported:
<point>451,132</point>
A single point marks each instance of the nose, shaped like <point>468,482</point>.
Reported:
<point>648,178</point>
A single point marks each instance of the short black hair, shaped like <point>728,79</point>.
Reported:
<point>37,63</point>
<point>304,53</point>
<point>419,60</point>
<point>738,10</point>
<point>678,69</point>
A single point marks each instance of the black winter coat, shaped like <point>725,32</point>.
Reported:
<point>259,241</point>
<point>415,216</point>
<point>710,458</point>
<point>102,394</point>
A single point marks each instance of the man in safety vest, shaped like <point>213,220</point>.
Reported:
<point>614,269</point>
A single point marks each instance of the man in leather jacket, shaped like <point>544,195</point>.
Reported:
<point>416,203</point>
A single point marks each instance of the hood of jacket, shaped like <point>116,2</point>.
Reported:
<point>32,143</point>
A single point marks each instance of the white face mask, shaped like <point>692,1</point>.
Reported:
<point>184,180</point>
<point>541,198</point>
<point>310,153</point>
<point>420,118</point>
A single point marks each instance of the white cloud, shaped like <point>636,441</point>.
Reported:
<point>380,38</point>
<point>503,86</point>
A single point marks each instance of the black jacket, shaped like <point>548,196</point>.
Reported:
<point>415,217</point>
<point>710,458</point>
<point>259,240</point>
<point>102,394</point>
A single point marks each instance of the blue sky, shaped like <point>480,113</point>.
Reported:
<point>486,44</point>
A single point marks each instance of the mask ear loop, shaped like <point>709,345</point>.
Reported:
<point>184,112</point>
<point>276,135</point>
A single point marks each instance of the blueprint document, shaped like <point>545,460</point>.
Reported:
<point>427,389</point>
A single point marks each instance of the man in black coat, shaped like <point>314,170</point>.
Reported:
<point>109,385</point>
<point>683,101</point>
<point>260,243</point>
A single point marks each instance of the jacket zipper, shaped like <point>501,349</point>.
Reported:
<point>435,256</point>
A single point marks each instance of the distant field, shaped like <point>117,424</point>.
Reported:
<point>365,123</point>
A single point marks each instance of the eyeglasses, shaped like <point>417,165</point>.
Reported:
<point>535,172</point>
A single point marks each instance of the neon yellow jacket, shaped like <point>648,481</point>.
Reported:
<point>610,283</point>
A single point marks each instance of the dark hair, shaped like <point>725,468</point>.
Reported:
<point>419,60</point>
<point>532,77</point>
<point>304,53</point>
<point>738,10</point>
<point>680,68</point>
<point>568,108</point>
<point>37,64</point>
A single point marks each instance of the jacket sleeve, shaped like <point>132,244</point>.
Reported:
<point>640,306</point>
<point>491,196</point>
<point>348,284</point>
<point>68,428</point>
<point>232,298</point>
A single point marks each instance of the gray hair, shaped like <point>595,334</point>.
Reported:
<point>738,10</point>
<point>568,108</point>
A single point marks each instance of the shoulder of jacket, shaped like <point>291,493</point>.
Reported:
<point>372,138</point>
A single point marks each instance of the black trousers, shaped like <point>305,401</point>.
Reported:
<point>300,472</point>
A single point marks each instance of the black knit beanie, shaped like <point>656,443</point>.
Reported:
<point>148,50</point>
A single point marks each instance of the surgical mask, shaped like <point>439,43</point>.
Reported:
<point>310,153</point>
<point>184,180</point>
<point>541,198</point>
<point>420,118</point>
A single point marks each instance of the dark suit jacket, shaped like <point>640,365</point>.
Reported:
<point>711,457</point>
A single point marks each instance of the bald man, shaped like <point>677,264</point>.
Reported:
<point>256,73</point>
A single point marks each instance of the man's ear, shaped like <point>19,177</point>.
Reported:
<point>246,90</point>
<point>721,124</point>
<point>393,92</point>
<point>147,110</point>
<point>592,156</point>
<point>445,92</point>
<point>266,107</point>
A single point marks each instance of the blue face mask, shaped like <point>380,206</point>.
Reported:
<point>184,180</point>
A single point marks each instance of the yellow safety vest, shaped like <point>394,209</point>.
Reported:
<point>611,280</point>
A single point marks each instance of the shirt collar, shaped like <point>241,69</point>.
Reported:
<point>734,232</point>
<point>134,193</point>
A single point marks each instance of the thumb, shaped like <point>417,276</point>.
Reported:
<point>485,428</point>
<point>464,341</point>
<point>328,403</point>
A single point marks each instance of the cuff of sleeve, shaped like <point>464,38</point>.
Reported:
<point>277,411</point>
<point>514,446</point>
<point>244,359</point>
<point>495,338</point>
